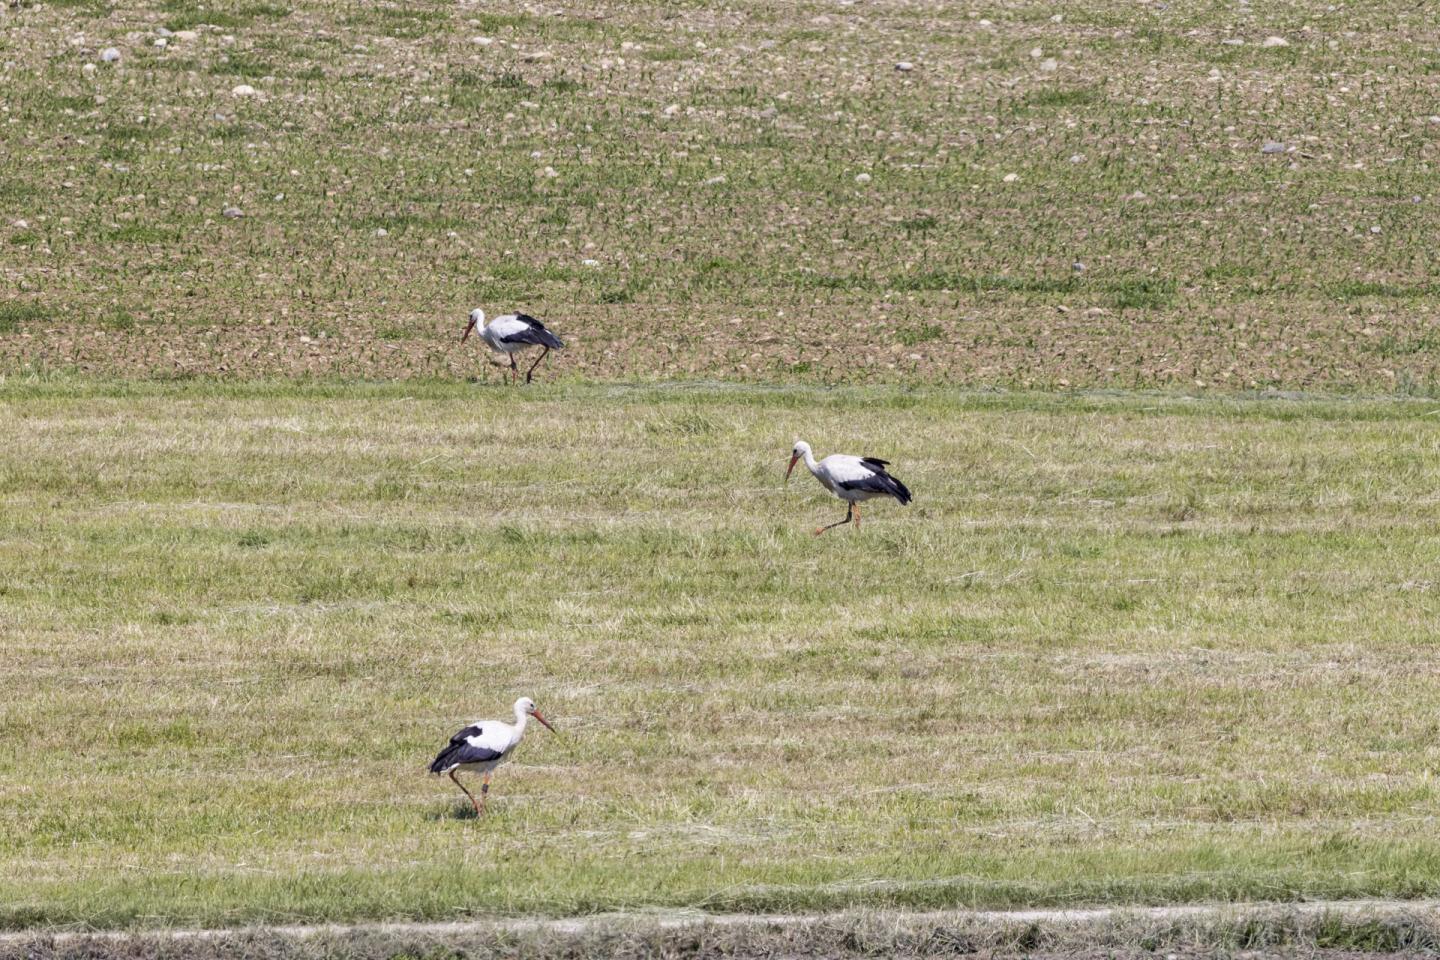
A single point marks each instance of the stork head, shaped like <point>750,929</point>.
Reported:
<point>526,707</point>
<point>801,449</point>
<point>477,319</point>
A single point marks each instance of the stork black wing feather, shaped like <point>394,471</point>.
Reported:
<point>878,482</point>
<point>535,333</point>
<point>473,730</point>
<point>461,751</point>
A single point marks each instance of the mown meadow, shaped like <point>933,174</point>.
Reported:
<point>1119,649</point>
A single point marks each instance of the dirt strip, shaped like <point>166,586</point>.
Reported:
<point>1282,927</point>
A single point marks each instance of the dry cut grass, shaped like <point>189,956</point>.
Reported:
<point>1119,649</point>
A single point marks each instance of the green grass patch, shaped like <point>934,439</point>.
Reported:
<point>14,313</point>
<point>910,336</point>
<point>1360,290</point>
<point>144,233</point>
<point>239,64</point>
<point>401,22</point>
<point>187,15</point>
<point>1061,97</point>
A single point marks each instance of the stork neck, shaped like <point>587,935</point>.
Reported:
<point>811,463</point>
<point>521,718</point>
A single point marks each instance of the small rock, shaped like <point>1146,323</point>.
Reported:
<point>109,54</point>
<point>1010,177</point>
<point>88,69</point>
<point>161,42</point>
<point>671,110</point>
<point>381,232</point>
<point>1233,42</point>
<point>187,35</point>
<point>715,181</point>
<point>904,66</point>
<point>242,90</point>
<point>21,224</point>
<point>163,32</point>
<point>1049,65</point>
<point>1036,53</point>
<point>1275,42</point>
<point>1273,146</point>
<point>590,263</point>
<point>862,178</point>
<point>1077,158</point>
<point>1375,229</point>
<point>234,213</point>
<point>1138,195</point>
<point>551,173</point>
<point>481,41</point>
<point>1078,266</point>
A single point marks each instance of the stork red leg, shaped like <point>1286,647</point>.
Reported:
<point>536,364</point>
<point>514,370</point>
<point>467,792</point>
<point>856,508</point>
<point>848,514</point>
<point>484,791</point>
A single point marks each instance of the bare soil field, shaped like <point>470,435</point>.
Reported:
<point>1187,195</point>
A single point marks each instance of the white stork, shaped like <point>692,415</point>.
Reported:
<point>511,332</point>
<point>483,746</point>
<point>852,479</point>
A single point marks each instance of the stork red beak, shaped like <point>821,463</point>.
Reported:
<point>536,715</point>
<point>468,327</point>
<point>794,458</point>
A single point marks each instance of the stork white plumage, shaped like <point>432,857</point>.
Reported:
<point>483,746</point>
<point>511,332</point>
<point>852,479</point>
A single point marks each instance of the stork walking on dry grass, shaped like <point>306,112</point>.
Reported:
<point>852,479</point>
<point>483,746</point>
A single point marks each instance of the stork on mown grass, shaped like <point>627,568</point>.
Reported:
<point>483,746</point>
<point>511,332</point>
<point>852,479</point>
